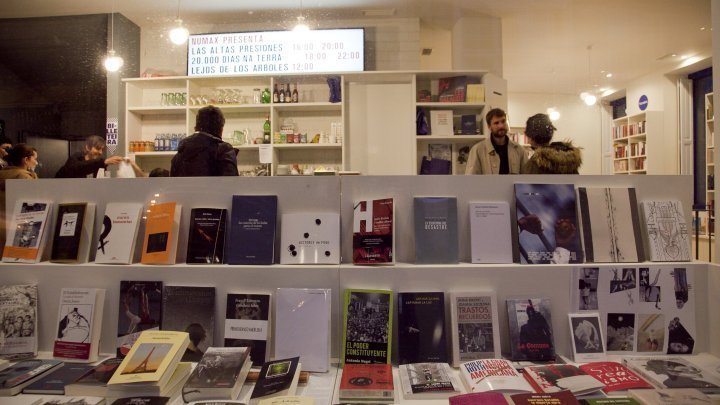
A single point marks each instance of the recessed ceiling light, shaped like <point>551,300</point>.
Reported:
<point>702,28</point>
<point>608,75</point>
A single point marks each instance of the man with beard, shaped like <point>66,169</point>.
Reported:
<point>497,154</point>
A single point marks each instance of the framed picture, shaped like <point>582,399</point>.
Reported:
<point>587,338</point>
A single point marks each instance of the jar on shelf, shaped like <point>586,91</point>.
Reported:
<point>257,96</point>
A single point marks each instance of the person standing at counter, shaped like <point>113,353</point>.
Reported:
<point>89,161</point>
<point>204,153</point>
<point>497,154</point>
<point>549,157</point>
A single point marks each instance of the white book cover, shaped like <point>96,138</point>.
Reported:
<point>27,232</point>
<point>441,123</point>
<point>79,323</point>
<point>118,234</point>
<point>587,337</point>
<point>302,326</point>
<point>428,381</point>
<point>310,238</point>
<point>493,375</point>
<point>667,231</point>
<point>18,310</point>
<point>475,331</point>
<point>490,232</point>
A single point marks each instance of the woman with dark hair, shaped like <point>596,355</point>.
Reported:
<point>549,157</point>
<point>22,160</point>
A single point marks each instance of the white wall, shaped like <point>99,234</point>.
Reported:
<point>477,44</point>
<point>440,41</point>
<point>577,122</point>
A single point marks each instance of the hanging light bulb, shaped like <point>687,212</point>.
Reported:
<point>590,100</point>
<point>553,113</point>
<point>112,62</point>
<point>301,26</point>
<point>179,35</point>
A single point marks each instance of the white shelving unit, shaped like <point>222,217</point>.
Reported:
<point>638,144</point>
<point>709,220</point>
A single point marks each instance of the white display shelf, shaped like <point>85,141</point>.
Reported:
<point>450,138</point>
<point>158,110</point>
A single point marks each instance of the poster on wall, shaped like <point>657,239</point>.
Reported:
<point>111,135</point>
<point>276,52</point>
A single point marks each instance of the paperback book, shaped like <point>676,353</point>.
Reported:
<point>18,376</point>
<point>191,310</point>
<point>172,389</point>
<point>277,377</point>
<point>117,239</point>
<point>302,326</point>
<point>614,376</point>
<point>367,382</point>
<point>552,398</point>
<point>674,372</point>
<point>247,323</point>
<point>26,232</point>
<point>310,238</point>
<point>587,338</point>
<point>436,230</point>
<point>252,230</point>
<point>475,398</point>
<point>18,307</point>
<point>94,383</point>
<point>161,233</point>
<point>140,309</point>
<point>79,324</point>
<point>374,231</point>
<point>219,374</point>
<point>428,381</point>
<point>362,344</point>
<point>474,326</point>
<point>54,382</point>
<point>74,227</point>
<point>152,359</point>
<point>206,240</point>
<point>530,329</point>
<point>667,231</point>
<point>558,377</point>
<point>684,396</point>
<point>421,327</point>
<point>490,232</point>
<point>493,375</point>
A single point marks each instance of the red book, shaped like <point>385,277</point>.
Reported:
<point>475,398</point>
<point>367,382</point>
<point>555,398</point>
<point>615,376</point>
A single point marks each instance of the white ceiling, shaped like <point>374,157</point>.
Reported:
<point>544,41</point>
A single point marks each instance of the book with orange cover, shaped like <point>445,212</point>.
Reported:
<point>161,233</point>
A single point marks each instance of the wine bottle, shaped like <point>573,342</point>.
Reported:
<point>276,96</point>
<point>281,95</point>
<point>288,94</point>
<point>295,95</point>
<point>266,130</point>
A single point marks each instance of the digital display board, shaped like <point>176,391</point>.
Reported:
<point>276,52</point>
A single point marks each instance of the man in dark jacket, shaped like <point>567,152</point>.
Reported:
<point>204,153</point>
<point>89,161</point>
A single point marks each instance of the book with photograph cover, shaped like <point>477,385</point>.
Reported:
<point>530,329</point>
<point>19,312</point>
<point>475,332</point>
<point>428,381</point>
<point>615,376</point>
<point>206,240</point>
<point>493,375</point>
<point>161,233</point>
<point>277,377</point>
<point>253,220</point>
<point>684,396</point>
<point>367,382</point>
<point>490,232</point>
<point>192,310</point>
<point>421,327</point>
<point>247,323</point>
<point>117,239</point>
<point>18,376</point>
<point>585,297</point>
<point>302,326</point>
<point>94,383</point>
<point>558,377</point>
<point>140,309</point>
<point>620,334</point>
<point>27,232</point>
<point>374,231</point>
<point>54,383</point>
<point>367,326</point>
<point>674,372</point>
<point>80,317</point>
<point>610,224</point>
<point>586,336</point>
<point>310,238</point>
<point>73,232</point>
<point>667,231</point>
<point>436,230</point>
<point>219,374</point>
<point>548,230</point>
<point>152,360</point>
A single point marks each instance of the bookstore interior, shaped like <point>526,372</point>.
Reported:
<point>352,260</point>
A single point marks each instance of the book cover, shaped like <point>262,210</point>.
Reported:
<point>614,375</point>
<point>74,226</point>
<point>171,389</point>
<point>18,310</point>
<point>440,151</point>
<point>490,232</point>
<point>192,310</point>
<point>26,232</point>
<point>55,382</point>
<point>547,223</point>
<point>94,383</point>
<point>421,327</point>
<point>69,400</point>
<point>684,396</point>
<point>141,400</point>
<point>586,336</point>
<point>608,401</point>
<point>206,240</point>
<point>610,225</point>
<point>247,323</point>
<point>285,400</point>
<point>436,230</point>
<point>161,233</point>
<point>302,326</point>
<point>475,398</point>
<point>558,377</point>
<point>277,377</point>
<point>441,122</point>
<point>116,242</point>
<point>360,343</point>
<point>219,374</point>
<point>667,231</point>
<point>493,375</point>
<point>18,376</point>
<point>675,372</point>
<point>369,382</point>
<point>475,330</point>
<point>310,238</point>
<point>374,231</point>
<point>428,381</point>
<point>530,329</point>
<point>80,316</point>
<point>152,359</point>
<point>140,309</point>
<point>252,230</point>
<point>553,398</point>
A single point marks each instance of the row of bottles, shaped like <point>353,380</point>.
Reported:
<point>284,95</point>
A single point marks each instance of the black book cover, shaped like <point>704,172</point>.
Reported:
<point>247,324</point>
<point>25,371</point>
<point>252,230</point>
<point>101,373</point>
<point>367,326</point>
<point>140,309</point>
<point>68,231</point>
<point>421,327</point>
<point>206,241</point>
<point>55,382</point>
<point>530,329</point>
<point>191,310</point>
<point>275,376</point>
<point>220,367</point>
<point>141,401</point>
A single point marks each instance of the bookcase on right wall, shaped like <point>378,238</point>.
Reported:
<point>709,217</point>
<point>638,144</point>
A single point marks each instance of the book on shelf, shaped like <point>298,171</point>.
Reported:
<point>530,329</point>
<point>474,326</point>
<point>421,327</point>
<point>253,220</point>
<point>94,383</point>
<point>277,378</point>
<point>152,359</point>
<point>360,343</point>
<point>551,398</point>
<point>490,232</point>
<point>468,124</point>
<point>374,231</point>
<point>117,239</point>
<point>55,381</point>
<point>18,376</point>
<point>608,401</point>
<point>286,400</point>
<point>161,233</point>
<point>367,382</point>
<point>141,400</point>
<point>63,400</point>
<point>548,230</point>
<point>558,377</point>
<point>674,372</point>
<point>171,390</point>
<point>19,311</point>
<point>497,375</point>
<point>27,232</point>
<point>220,374</point>
<point>440,151</point>
<point>310,238</point>
<point>667,230</point>
<point>192,310</point>
<point>206,238</point>
<point>436,230</point>
<point>684,396</point>
<point>139,309</point>
<point>615,376</point>
<point>247,323</point>
<point>428,381</point>
<point>254,375</point>
<point>302,326</point>
<point>611,225</point>
<point>586,337</point>
<point>475,398</point>
<point>441,123</point>
<point>74,225</point>
<point>80,315</point>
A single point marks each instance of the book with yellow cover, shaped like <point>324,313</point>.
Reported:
<point>152,359</point>
<point>161,233</point>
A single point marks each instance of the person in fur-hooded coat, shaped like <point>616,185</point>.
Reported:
<point>549,157</point>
